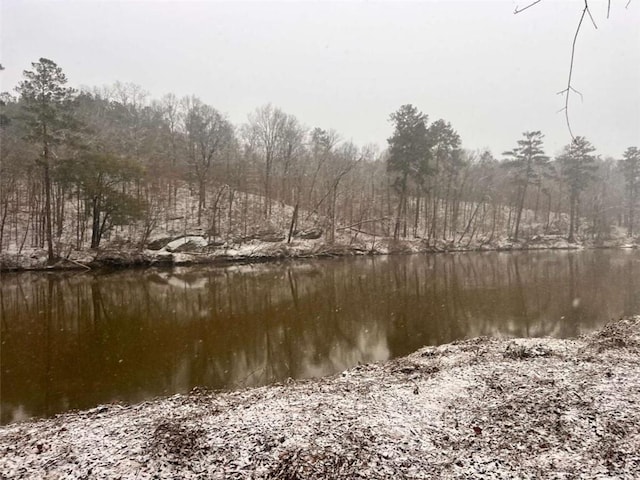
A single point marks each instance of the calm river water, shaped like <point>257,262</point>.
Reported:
<point>73,341</point>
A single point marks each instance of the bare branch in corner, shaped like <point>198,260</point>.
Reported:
<point>518,10</point>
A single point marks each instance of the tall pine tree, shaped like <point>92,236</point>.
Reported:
<point>577,170</point>
<point>408,155</point>
<point>46,104</point>
<point>526,163</point>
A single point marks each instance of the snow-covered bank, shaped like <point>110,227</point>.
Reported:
<point>482,408</point>
<point>195,249</point>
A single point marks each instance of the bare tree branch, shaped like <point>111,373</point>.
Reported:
<point>357,224</point>
<point>518,10</point>
<point>586,7</point>
<point>576,91</point>
<point>567,91</point>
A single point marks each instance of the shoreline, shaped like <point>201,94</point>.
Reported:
<point>479,408</point>
<point>263,252</point>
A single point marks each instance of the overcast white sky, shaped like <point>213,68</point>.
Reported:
<point>348,65</point>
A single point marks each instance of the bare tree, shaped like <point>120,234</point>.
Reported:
<point>208,133</point>
<point>265,130</point>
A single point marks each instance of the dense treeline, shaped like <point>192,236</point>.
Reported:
<point>78,167</point>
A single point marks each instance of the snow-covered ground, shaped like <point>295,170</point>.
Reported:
<point>195,249</point>
<point>481,408</point>
<point>238,232</point>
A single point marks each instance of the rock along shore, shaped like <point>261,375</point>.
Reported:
<point>194,250</point>
<point>481,408</point>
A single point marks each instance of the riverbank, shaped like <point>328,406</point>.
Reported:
<point>196,250</point>
<point>481,408</point>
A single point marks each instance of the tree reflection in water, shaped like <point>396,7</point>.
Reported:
<point>77,340</point>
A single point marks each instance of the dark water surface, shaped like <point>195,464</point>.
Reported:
<point>73,341</point>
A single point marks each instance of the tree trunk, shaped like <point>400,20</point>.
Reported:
<point>572,218</point>
<point>631,212</point>
<point>267,186</point>
<point>403,193</point>
<point>548,221</point>
<point>522,194</point>
<point>201,198</point>
<point>95,224</point>
<point>5,211</point>
<point>47,204</point>
<point>294,220</point>
<point>417,215</point>
<point>334,197</point>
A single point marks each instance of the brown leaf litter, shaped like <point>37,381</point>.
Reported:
<point>482,408</point>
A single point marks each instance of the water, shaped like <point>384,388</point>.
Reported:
<point>73,341</point>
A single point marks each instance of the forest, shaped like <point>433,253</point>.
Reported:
<point>110,166</point>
